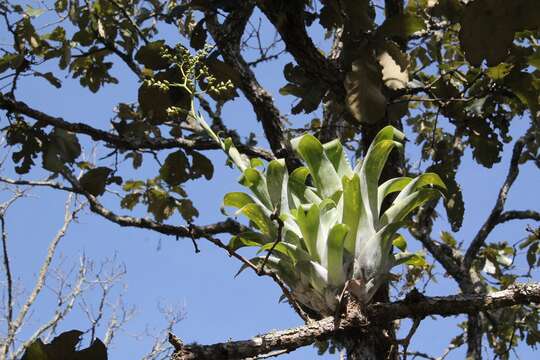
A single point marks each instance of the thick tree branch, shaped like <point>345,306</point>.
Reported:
<point>493,218</point>
<point>120,142</point>
<point>288,340</point>
<point>227,37</point>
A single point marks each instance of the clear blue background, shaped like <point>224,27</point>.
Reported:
<point>163,270</point>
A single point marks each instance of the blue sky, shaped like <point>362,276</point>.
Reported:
<point>163,270</point>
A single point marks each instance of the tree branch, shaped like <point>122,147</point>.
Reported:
<point>288,18</point>
<point>227,37</point>
<point>519,215</point>
<point>291,339</point>
<point>192,231</point>
<point>494,217</point>
<point>12,105</point>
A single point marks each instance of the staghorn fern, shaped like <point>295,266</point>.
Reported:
<point>332,232</point>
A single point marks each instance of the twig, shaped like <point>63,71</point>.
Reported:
<point>407,340</point>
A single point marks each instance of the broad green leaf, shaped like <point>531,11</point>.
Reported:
<point>369,178</point>
<point>258,217</point>
<point>336,239</point>
<point>338,157</point>
<point>248,238</point>
<point>353,210</point>
<point>389,187</point>
<point>95,180</point>
<point>308,221</point>
<point>175,169</point>
<point>237,199</point>
<point>276,178</point>
<point>373,256</point>
<point>35,351</point>
<point>256,182</point>
<point>151,55</point>
<point>420,182</point>
<point>324,175</point>
<point>400,209</point>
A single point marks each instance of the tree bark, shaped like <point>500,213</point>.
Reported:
<point>373,344</point>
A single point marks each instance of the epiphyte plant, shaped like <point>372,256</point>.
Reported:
<point>323,224</point>
<point>334,232</point>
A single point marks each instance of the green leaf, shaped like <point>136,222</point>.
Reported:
<point>419,182</point>
<point>400,242</point>
<point>338,157</point>
<point>403,26</point>
<point>534,59</point>
<point>132,185</point>
<point>276,178</point>
<point>336,239</point>
<point>175,168</point>
<point>160,204</point>
<point>448,239</point>
<point>35,351</point>
<point>201,165</point>
<point>500,71</point>
<point>33,12</point>
<point>370,173</point>
<point>400,209</point>
<point>151,55</point>
<point>248,238</point>
<point>321,169</point>
<point>130,201</point>
<point>198,36</point>
<point>95,180</point>
<point>253,179</point>
<point>353,210</point>
<point>372,255</point>
<point>258,216</point>
<point>187,210</point>
<point>237,199</point>
<point>389,187</point>
<point>308,221</point>
<point>60,5</point>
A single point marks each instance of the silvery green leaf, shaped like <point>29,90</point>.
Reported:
<point>338,157</point>
<point>336,239</point>
<point>389,187</point>
<point>321,169</point>
<point>400,209</point>
<point>308,221</point>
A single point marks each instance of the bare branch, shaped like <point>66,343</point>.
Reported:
<point>227,38</point>
<point>14,325</point>
<point>518,294</point>
<point>40,183</point>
